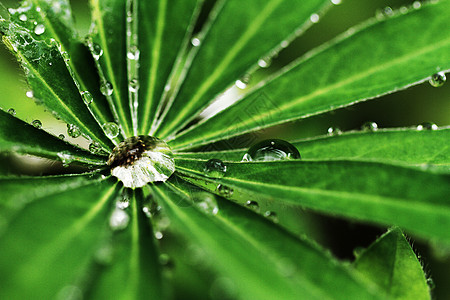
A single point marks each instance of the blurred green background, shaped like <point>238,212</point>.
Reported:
<point>405,108</point>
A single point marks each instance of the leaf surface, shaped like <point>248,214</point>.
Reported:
<point>258,260</point>
<point>380,57</point>
<point>392,264</point>
<point>414,200</point>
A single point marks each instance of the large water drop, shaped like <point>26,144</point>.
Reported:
<point>270,150</point>
<point>215,168</point>
<point>73,131</point>
<point>111,129</point>
<point>438,79</point>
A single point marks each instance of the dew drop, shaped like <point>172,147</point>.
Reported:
<point>159,235</point>
<point>243,82</point>
<point>23,17</point>
<point>87,97</point>
<point>39,29</point>
<point>96,50</point>
<point>336,2</point>
<point>224,190</point>
<point>37,124</point>
<point>139,160</point>
<point>314,18</point>
<point>427,126</point>
<point>62,136</point>
<point>206,202</point>
<point>106,88</point>
<point>119,219</point>
<point>265,62</point>
<point>73,131</point>
<point>12,111</point>
<point>416,4</point>
<point>271,216</point>
<point>334,131</point>
<point>215,168</point>
<point>195,41</point>
<point>133,85</point>
<point>111,129</point>
<point>438,79</point>
<point>133,53</point>
<point>387,11</point>
<point>253,205</point>
<point>29,94</point>
<point>270,150</point>
<point>95,147</point>
<point>369,126</point>
<point>431,284</point>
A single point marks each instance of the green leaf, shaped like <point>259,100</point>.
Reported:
<point>109,45</point>
<point>53,242</point>
<point>20,137</point>
<point>392,264</point>
<point>50,79</point>
<point>401,145</point>
<point>135,272</point>
<point>163,36</point>
<point>380,193</point>
<point>229,52</point>
<point>258,259</point>
<point>380,57</point>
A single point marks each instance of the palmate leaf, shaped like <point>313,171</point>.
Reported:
<point>375,192</point>
<point>355,67</point>
<point>402,145</point>
<point>391,263</point>
<point>236,241</point>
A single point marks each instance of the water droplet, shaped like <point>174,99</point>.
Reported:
<point>106,88</point>
<point>265,62</point>
<point>206,202</point>
<point>62,136</point>
<point>119,219</point>
<point>243,82</point>
<point>416,4</point>
<point>159,235</point>
<point>37,124</point>
<point>133,85</point>
<point>23,17</point>
<point>252,205</point>
<point>438,79</point>
<point>111,129</point>
<point>73,131</point>
<point>270,150</point>
<point>369,126</point>
<point>215,168</point>
<point>431,284</point>
<point>39,29</point>
<point>29,94</point>
<point>95,147</point>
<point>96,50</point>
<point>139,160</point>
<point>427,126</point>
<point>87,97</point>
<point>387,11</point>
<point>271,215</point>
<point>166,261</point>
<point>195,41</point>
<point>334,131</point>
<point>12,111</point>
<point>224,190</point>
<point>133,53</point>
<point>336,2</point>
<point>314,18</point>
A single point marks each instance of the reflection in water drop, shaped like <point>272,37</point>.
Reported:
<point>87,97</point>
<point>106,88</point>
<point>438,79</point>
<point>95,147</point>
<point>215,168</point>
<point>111,129</point>
<point>270,150</point>
<point>224,190</point>
<point>12,111</point>
<point>37,124</point>
<point>61,136</point>
<point>73,131</point>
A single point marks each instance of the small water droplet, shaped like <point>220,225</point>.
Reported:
<point>243,82</point>
<point>96,50</point>
<point>23,17</point>
<point>73,131</point>
<point>438,79</point>
<point>111,129</point>
<point>39,29</point>
<point>270,150</point>
<point>336,2</point>
<point>431,284</point>
<point>62,136</point>
<point>314,18</point>
<point>369,126</point>
<point>95,147</point>
<point>427,126</point>
<point>334,131</point>
<point>159,235</point>
<point>133,53</point>
<point>206,202</point>
<point>29,94</point>
<point>87,97</point>
<point>224,190</point>
<point>119,219</point>
<point>133,85</point>
<point>265,62</point>
<point>37,124</point>
<point>12,111</point>
<point>106,88</point>
<point>284,44</point>
<point>195,41</point>
<point>416,4</point>
<point>271,215</point>
<point>215,168</point>
<point>252,205</point>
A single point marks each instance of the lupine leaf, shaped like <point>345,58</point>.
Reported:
<point>242,249</point>
<point>380,57</point>
<point>392,264</point>
<point>414,200</point>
